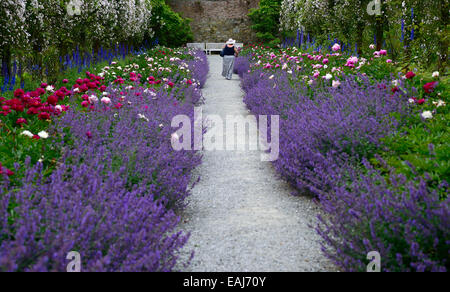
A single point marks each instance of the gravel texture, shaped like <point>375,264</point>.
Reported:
<point>242,218</point>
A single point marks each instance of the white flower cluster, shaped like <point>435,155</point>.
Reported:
<point>35,24</point>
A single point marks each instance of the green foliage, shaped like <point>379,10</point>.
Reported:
<point>423,41</point>
<point>424,144</point>
<point>170,28</point>
<point>265,21</point>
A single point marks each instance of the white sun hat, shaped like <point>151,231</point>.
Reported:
<point>231,42</point>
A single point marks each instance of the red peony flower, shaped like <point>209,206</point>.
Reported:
<point>32,111</point>
<point>420,101</point>
<point>34,94</point>
<point>40,91</point>
<point>89,134</point>
<point>36,137</point>
<point>83,88</point>
<point>21,121</point>
<point>85,103</point>
<point>429,87</point>
<point>53,100</point>
<point>65,81</point>
<point>395,89</point>
<point>19,93</point>
<point>91,85</point>
<point>44,116</point>
<point>5,170</point>
<point>410,75</point>
<point>60,94</point>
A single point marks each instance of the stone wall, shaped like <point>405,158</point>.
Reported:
<point>217,20</point>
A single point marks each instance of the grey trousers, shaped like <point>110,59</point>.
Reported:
<point>228,66</point>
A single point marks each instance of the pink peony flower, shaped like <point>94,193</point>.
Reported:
<point>106,100</point>
<point>336,48</point>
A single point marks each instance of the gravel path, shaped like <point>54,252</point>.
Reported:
<point>241,217</point>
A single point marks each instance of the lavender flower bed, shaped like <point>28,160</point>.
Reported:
<point>326,136</point>
<point>112,196</point>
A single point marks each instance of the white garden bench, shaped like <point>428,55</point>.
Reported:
<point>211,47</point>
<point>200,46</point>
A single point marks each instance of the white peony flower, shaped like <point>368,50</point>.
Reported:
<point>328,76</point>
<point>93,99</point>
<point>336,83</point>
<point>439,103</point>
<point>427,115</point>
<point>43,135</point>
<point>435,74</point>
<point>28,134</point>
<point>50,88</point>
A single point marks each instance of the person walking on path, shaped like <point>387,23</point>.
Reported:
<point>229,56</point>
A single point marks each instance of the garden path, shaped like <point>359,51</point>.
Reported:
<point>241,217</point>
